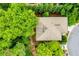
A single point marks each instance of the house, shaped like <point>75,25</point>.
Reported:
<point>51,28</point>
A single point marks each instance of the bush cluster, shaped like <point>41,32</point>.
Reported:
<point>49,49</point>
<point>66,9</point>
<point>16,26</point>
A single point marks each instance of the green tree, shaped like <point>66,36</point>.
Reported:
<point>16,23</point>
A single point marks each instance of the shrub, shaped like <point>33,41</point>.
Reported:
<point>2,12</point>
<point>64,39</point>
<point>49,49</point>
<point>43,50</point>
<point>46,14</point>
<point>19,49</point>
<point>4,6</point>
<point>56,49</point>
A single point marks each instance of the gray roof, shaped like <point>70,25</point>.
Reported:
<point>51,28</point>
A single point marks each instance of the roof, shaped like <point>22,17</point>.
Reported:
<point>51,28</point>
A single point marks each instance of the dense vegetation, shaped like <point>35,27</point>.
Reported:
<point>49,49</point>
<point>16,26</point>
<point>69,10</point>
<point>17,22</point>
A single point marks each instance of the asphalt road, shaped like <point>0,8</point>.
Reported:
<point>73,42</point>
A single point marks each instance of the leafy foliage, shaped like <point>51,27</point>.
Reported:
<point>64,39</point>
<point>4,6</point>
<point>49,49</point>
<point>41,8</point>
<point>46,14</point>
<point>43,50</point>
<point>17,23</point>
<point>68,10</point>
<point>18,50</point>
